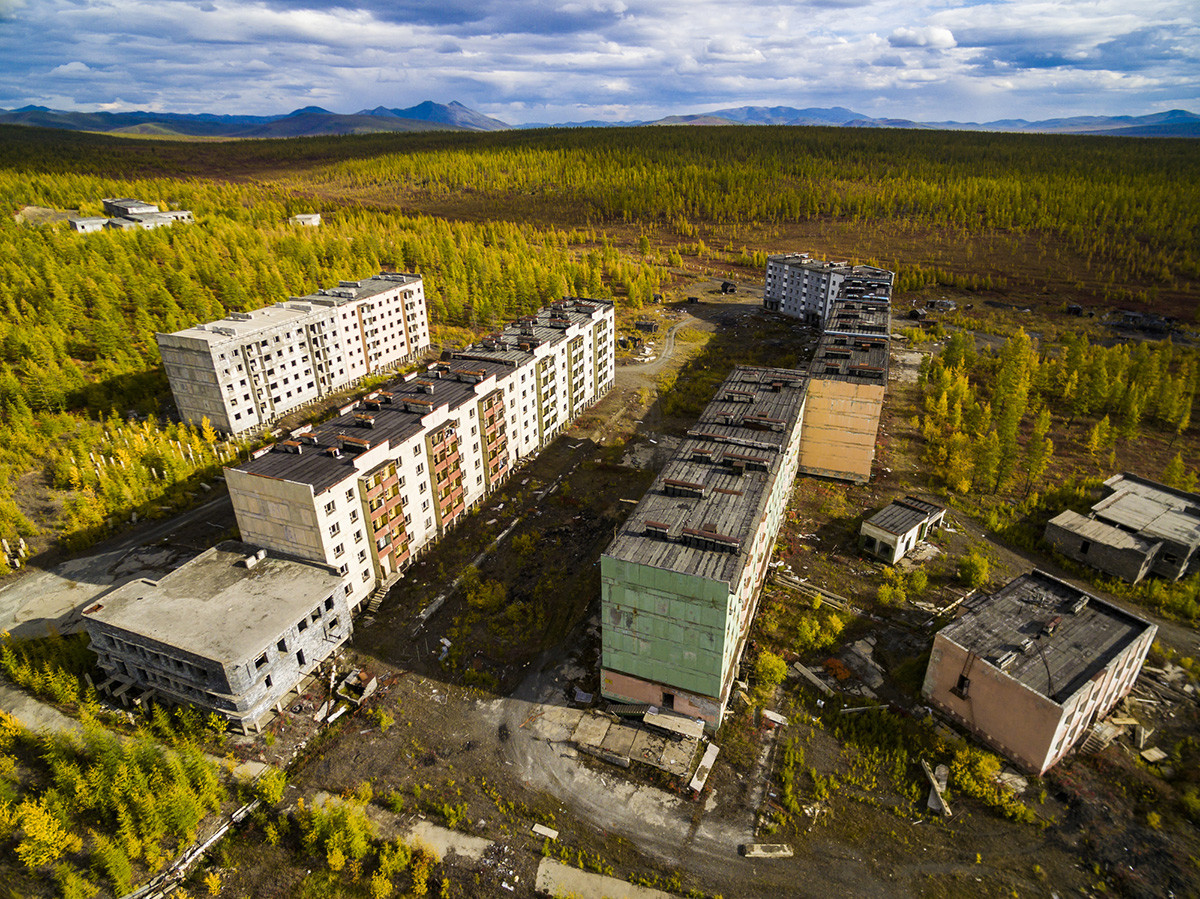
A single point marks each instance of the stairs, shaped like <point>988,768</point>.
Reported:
<point>375,600</point>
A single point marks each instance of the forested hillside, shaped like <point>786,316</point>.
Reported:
<point>502,223</point>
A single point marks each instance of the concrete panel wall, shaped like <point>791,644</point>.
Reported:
<point>666,627</point>
<point>841,424</point>
<point>276,514</point>
<point>1004,713</point>
<point>1127,564</point>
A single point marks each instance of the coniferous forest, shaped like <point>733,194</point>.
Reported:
<point>501,223</point>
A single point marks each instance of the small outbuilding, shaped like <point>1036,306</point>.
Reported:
<point>309,219</point>
<point>893,531</point>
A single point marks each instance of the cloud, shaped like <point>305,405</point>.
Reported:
<point>932,36</point>
<point>557,60</point>
<point>72,69</point>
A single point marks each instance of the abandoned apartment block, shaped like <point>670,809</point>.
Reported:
<point>1139,528</point>
<point>802,287</point>
<point>232,632</point>
<point>681,580</point>
<point>893,531</point>
<point>368,491</point>
<point>246,370</point>
<point>847,381</point>
<point>1030,668</point>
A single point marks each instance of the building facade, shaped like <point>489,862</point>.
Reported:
<point>368,491</point>
<point>802,287</point>
<point>232,631</point>
<point>1030,668</point>
<point>681,580</point>
<point>1141,527</point>
<point>893,531</point>
<point>847,382</point>
<point>244,371</point>
<point>127,214</point>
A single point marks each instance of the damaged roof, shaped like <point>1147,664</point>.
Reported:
<point>705,505</point>
<point>1046,634</point>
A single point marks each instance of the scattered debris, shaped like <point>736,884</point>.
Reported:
<point>766,850</point>
<point>938,781</point>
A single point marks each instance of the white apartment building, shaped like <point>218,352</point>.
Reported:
<point>368,491</point>
<point>246,370</point>
<point>803,287</point>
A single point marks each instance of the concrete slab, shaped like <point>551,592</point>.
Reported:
<point>619,739</point>
<point>556,879</point>
<point>677,757</point>
<point>591,730</point>
<point>648,748</point>
<point>705,768</point>
<point>556,723</point>
<point>445,842</point>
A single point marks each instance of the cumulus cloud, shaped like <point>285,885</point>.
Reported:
<point>932,36</point>
<point>561,60</point>
<point>72,68</point>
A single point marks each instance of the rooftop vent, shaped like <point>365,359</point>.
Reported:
<point>677,487</point>
<point>657,529</point>
<point>251,561</point>
<point>289,446</point>
<point>353,444</point>
<point>705,538</point>
<point>364,420</point>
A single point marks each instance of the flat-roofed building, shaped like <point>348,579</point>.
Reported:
<point>248,369</point>
<point>802,287</point>
<point>848,379</point>
<point>232,631</point>
<point>681,580</point>
<point>1030,668</point>
<point>369,490</point>
<point>128,214</point>
<point>893,531</point>
<point>1141,527</point>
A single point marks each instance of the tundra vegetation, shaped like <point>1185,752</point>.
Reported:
<point>1008,429</point>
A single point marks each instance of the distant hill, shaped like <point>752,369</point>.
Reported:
<point>455,115</point>
<point>314,120</point>
<point>310,121</point>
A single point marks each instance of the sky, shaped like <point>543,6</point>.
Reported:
<point>573,60</point>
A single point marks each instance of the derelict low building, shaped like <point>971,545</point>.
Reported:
<point>232,631</point>
<point>680,583</point>
<point>894,530</point>
<point>1141,527</point>
<point>1030,668</point>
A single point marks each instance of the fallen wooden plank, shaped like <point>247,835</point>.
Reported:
<point>937,801</point>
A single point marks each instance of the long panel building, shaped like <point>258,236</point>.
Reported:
<point>848,379</point>
<point>246,370</point>
<point>369,490</point>
<point>680,583</point>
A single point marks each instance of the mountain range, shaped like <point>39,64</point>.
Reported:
<point>313,120</point>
